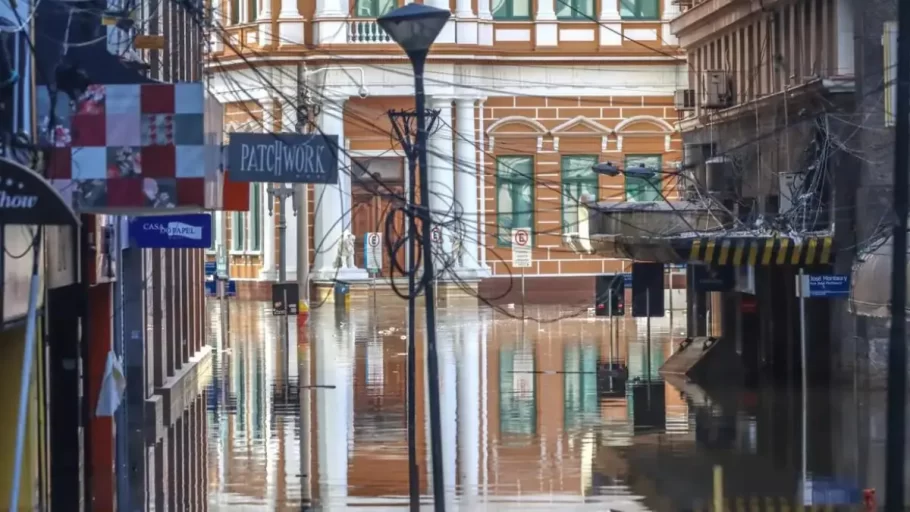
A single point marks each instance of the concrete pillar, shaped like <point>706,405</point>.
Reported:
<point>466,22</point>
<point>442,183</point>
<point>671,11</point>
<point>545,27</point>
<point>610,23</point>
<point>268,221</point>
<point>466,183</point>
<point>448,400</point>
<point>331,414</point>
<point>332,205</point>
<point>331,24</point>
<point>290,24</point>
<point>484,23</point>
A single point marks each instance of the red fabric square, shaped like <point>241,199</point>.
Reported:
<point>59,164</point>
<point>191,192</point>
<point>236,195</point>
<point>123,192</point>
<point>159,161</point>
<point>157,99</point>
<point>88,130</point>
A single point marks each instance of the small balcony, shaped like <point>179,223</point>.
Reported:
<point>659,231</point>
<point>366,31</point>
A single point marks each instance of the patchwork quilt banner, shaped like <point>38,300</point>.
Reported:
<point>134,148</point>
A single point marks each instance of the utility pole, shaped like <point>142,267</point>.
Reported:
<point>897,349</point>
<point>306,111</point>
<point>282,192</point>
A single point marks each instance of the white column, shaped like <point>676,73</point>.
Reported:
<point>610,25</point>
<point>290,24</point>
<point>268,221</point>
<point>466,22</point>
<point>469,409</point>
<point>333,202</point>
<point>220,20</point>
<point>288,125</point>
<point>671,11</point>
<point>466,186</point>
<point>264,19</point>
<point>442,181</point>
<point>485,23</point>
<point>545,26</point>
<point>844,37</point>
<point>448,32</point>
<point>331,21</point>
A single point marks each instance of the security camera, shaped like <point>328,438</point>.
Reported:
<point>363,92</point>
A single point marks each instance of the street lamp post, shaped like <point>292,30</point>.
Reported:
<point>415,27</point>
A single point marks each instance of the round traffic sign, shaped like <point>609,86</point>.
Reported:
<point>521,237</point>
<point>437,236</point>
<point>373,240</point>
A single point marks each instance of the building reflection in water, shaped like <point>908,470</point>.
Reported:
<point>553,414</point>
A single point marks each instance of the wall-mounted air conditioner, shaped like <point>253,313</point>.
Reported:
<point>684,99</point>
<point>717,90</point>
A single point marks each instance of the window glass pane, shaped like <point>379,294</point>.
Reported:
<point>254,9</point>
<point>587,8</point>
<point>578,179</point>
<point>641,9</point>
<point>500,9</point>
<point>564,8</point>
<point>385,6</point>
<point>235,12</point>
<point>256,217</point>
<point>514,194</point>
<point>522,205</point>
<point>237,233</point>
<point>365,9</point>
<point>642,189</point>
<point>521,8</point>
<point>517,399</point>
<point>504,211</point>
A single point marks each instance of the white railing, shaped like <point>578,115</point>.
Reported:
<point>366,32</point>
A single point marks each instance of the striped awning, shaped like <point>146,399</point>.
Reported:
<point>763,251</point>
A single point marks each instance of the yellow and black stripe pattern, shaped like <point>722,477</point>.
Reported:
<point>759,251</point>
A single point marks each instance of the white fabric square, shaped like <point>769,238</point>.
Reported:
<point>122,99</point>
<point>89,163</point>
<point>190,162</point>
<point>189,98</point>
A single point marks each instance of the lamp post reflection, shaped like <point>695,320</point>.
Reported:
<point>305,394</point>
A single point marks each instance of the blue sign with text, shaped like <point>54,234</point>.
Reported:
<point>211,288</point>
<point>172,231</point>
<point>211,268</point>
<point>627,280</point>
<point>828,286</point>
<point>231,290</point>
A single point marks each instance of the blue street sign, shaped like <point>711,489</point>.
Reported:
<point>172,231</point>
<point>210,268</point>
<point>211,288</point>
<point>231,290</point>
<point>828,286</point>
<point>825,491</point>
<point>627,280</point>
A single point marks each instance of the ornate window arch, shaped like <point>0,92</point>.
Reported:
<point>529,128</point>
<point>626,128</point>
<point>591,127</point>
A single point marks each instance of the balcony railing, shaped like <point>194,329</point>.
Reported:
<point>366,32</point>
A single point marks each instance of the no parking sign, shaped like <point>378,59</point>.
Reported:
<point>372,251</point>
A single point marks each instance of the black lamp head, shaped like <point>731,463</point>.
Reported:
<point>640,171</point>
<point>606,168</point>
<point>415,26</point>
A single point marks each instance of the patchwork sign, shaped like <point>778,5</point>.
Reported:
<point>134,147</point>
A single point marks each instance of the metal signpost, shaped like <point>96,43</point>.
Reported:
<point>813,286</point>
<point>436,237</point>
<point>521,256</point>
<point>372,258</point>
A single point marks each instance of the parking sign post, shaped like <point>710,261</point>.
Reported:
<point>521,256</point>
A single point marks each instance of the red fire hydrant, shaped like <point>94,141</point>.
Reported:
<point>869,500</point>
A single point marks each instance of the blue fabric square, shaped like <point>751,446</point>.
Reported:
<point>189,130</point>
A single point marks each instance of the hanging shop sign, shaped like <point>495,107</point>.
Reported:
<point>27,201</point>
<point>172,231</point>
<point>283,158</point>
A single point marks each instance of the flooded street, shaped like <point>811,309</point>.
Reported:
<point>534,416</point>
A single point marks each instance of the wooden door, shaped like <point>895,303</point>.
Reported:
<point>368,215</point>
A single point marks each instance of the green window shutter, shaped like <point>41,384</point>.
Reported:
<point>639,9</point>
<point>578,179</point>
<point>642,189</point>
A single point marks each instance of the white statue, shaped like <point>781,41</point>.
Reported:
<point>458,247</point>
<point>345,257</point>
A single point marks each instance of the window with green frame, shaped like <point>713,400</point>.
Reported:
<point>372,8</point>
<point>643,189</point>
<point>575,9</point>
<point>639,9</point>
<point>253,9</point>
<point>578,178</point>
<point>238,231</point>
<point>255,217</point>
<point>511,9</point>
<point>514,196</point>
<point>235,12</point>
<point>580,401</point>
